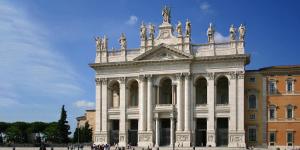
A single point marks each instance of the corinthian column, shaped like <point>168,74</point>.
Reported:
<point>104,134</point>
<point>211,110</point>
<point>179,103</point>
<point>142,104</point>
<point>98,110</point>
<point>123,131</point>
<point>149,104</point>
<point>187,111</point>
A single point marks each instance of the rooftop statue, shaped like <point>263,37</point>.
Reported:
<point>98,43</point>
<point>242,31</point>
<point>143,32</point>
<point>188,28</point>
<point>210,33</point>
<point>123,42</point>
<point>104,42</point>
<point>151,31</point>
<point>166,13</point>
<point>232,31</point>
<point>179,29</point>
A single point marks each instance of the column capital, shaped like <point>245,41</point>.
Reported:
<point>142,77</point>
<point>232,75</point>
<point>104,81</point>
<point>148,76</point>
<point>98,81</point>
<point>241,74</point>
<point>178,76</point>
<point>122,80</point>
<point>187,75</point>
<point>211,75</point>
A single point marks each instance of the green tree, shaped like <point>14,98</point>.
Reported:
<point>63,127</point>
<point>52,132</point>
<point>13,134</point>
<point>3,127</point>
<point>83,134</point>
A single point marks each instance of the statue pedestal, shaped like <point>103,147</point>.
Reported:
<point>101,138</point>
<point>183,139</point>
<point>236,139</point>
<point>145,139</point>
<point>211,138</point>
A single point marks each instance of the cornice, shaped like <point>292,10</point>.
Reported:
<point>225,58</point>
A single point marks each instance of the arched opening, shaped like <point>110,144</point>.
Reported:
<point>115,94</point>
<point>222,90</point>
<point>133,94</point>
<point>165,91</point>
<point>201,91</point>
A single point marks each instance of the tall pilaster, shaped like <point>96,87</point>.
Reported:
<point>211,133</point>
<point>142,104</point>
<point>98,110</point>
<point>157,131</point>
<point>187,95</point>
<point>104,133</point>
<point>172,130</point>
<point>123,100</point>
<point>240,102</point>
<point>179,103</point>
<point>144,137</point>
<point>149,104</point>
<point>232,103</point>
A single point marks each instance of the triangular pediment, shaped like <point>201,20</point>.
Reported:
<point>162,52</point>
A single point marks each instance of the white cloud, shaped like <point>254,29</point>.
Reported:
<point>84,104</point>
<point>219,38</point>
<point>132,20</point>
<point>29,63</point>
<point>206,7</point>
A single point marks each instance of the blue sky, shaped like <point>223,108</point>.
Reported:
<point>46,46</point>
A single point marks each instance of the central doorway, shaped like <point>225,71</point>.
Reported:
<point>165,132</point>
<point>114,132</point>
<point>201,126</point>
<point>133,132</point>
<point>222,132</point>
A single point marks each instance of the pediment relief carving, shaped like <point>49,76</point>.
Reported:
<point>162,52</point>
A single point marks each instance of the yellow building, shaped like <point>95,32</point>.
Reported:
<point>88,117</point>
<point>255,114</point>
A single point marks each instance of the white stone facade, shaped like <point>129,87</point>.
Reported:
<point>171,61</point>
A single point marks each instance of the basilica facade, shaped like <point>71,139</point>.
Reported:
<point>170,91</point>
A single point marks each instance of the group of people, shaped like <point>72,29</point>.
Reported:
<point>107,147</point>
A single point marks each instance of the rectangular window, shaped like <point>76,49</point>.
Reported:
<point>289,113</point>
<point>272,87</point>
<point>290,138</point>
<point>272,113</point>
<point>252,134</point>
<point>272,138</point>
<point>289,86</point>
<point>252,117</point>
<point>252,79</point>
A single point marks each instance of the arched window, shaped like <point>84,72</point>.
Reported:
<point>252,102</point>
<point>133,94</point>
<point>115,94</point>
<point>201,91</point>
<point>222,90</point>
<point>165,91</point>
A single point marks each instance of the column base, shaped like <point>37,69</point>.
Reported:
<point>122,139</point>
<point>101,138</point>
<point>183,139</point>
<point>236,139</point>
<point>145,139</point>
<point>211,138</point>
